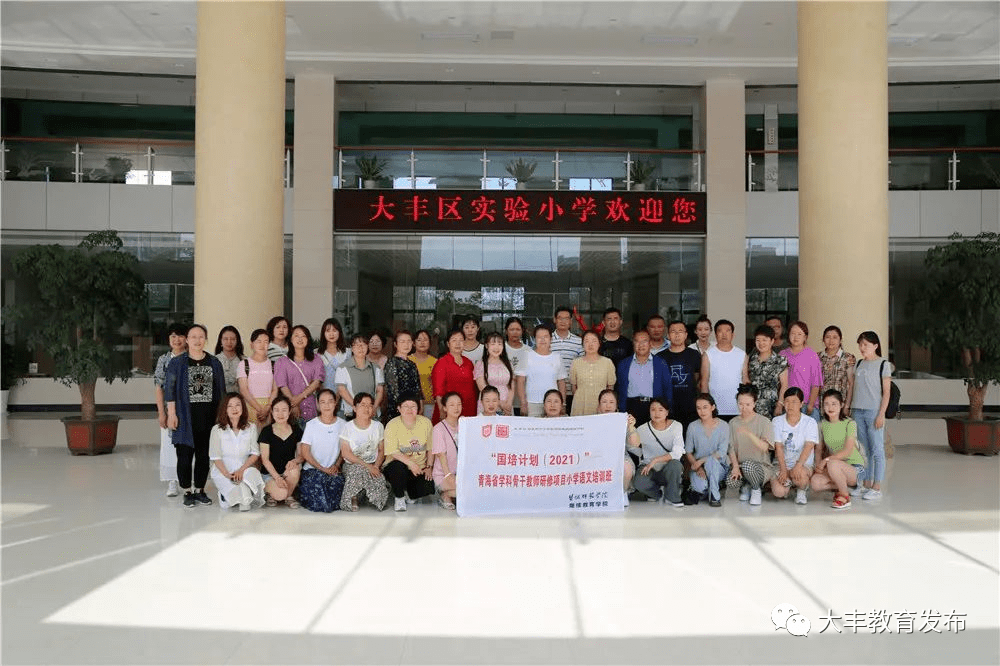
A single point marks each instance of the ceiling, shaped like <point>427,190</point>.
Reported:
<point>613,43</point>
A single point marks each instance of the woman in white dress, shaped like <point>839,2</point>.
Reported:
<point>233,450</point>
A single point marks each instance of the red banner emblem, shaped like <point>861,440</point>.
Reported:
<point>503,431</point>
<point>487,430</point>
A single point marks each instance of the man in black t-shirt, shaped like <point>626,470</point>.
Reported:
<point>614,345</point>
<point>685,365</point>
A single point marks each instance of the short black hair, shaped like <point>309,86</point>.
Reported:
<point>178,328</point>
<point>765,331</point>
<point>611,310</point>
<point>724,322</point>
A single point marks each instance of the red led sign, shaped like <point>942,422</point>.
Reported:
<point>519,211</point>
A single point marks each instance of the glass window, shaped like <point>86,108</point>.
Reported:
<point>398,280</point>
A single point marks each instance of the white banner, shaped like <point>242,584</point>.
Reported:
<point>516,464</point>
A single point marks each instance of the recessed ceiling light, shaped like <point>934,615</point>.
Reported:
<point>596,71</point>
<point>449,70</point>
<point>904,40</point>
<point>466,36</point>
<point>178,64</point>
<point>682,40</point>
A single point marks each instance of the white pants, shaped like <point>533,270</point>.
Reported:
<point>168,457</point>
<point>249,492</point>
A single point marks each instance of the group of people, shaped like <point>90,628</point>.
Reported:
<point>329,424</point>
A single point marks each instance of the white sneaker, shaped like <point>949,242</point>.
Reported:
<point>406,496</point>
<point>858,490</point>
<point>800,496</point>
<point>871,494</point>
<point>172,490</point>
<point>400,504</point>
<point>744,492</point>
<point>755,497</point>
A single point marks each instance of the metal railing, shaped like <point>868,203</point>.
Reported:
<point>145,162</point>
<point>909,169</point>
<point>87,160</point>
<point>530,168</point>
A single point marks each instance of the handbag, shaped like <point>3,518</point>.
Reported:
<point>658,466</point>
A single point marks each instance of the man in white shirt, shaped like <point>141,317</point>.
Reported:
<point>722,370</point>
<point>566,345</point>
<point>540,371</point>
<point>795,440</point>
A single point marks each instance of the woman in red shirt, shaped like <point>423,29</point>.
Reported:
<point>453,372</point>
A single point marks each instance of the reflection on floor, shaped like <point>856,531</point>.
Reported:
<point>100,567</point>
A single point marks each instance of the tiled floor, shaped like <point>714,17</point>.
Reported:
<point>99,567</point>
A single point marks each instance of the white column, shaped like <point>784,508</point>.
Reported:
<point>312,231</point>
<point>843,172</point>
<point>239,162</point>
<point>724,132</point>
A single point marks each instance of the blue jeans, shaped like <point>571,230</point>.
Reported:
<point>872,439</point>
<point>715,471</point>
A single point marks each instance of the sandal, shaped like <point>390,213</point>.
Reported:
<point>291,503</point>
<point>841,501</point>
<point>270,501</point>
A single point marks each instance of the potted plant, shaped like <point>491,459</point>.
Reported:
<point>10,363</point>
<point>641,171</point>
<point>956,309</point>
<point>370,168</point>
<point>118,168</point>
<point>522,171</point>
<point>83,295</point>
